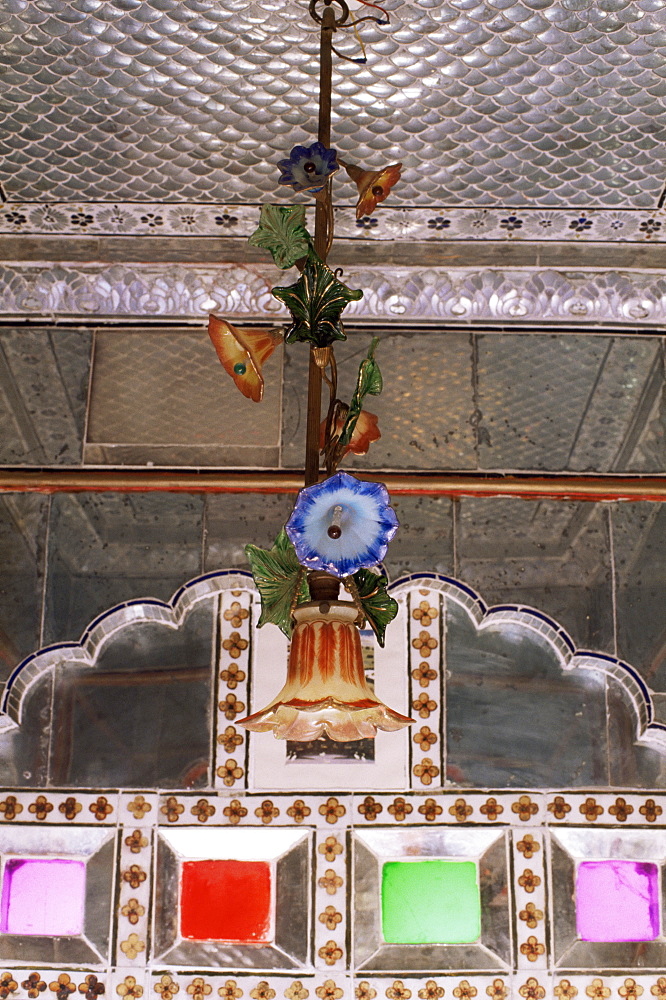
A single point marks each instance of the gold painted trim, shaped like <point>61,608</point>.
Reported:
<point>400,484</point>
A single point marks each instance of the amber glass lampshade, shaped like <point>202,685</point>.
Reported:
<point>326,690</point>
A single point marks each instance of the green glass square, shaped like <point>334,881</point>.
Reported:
<point>430,902</point>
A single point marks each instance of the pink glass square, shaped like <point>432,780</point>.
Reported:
<point>617,901</point>
<point>43,896</point>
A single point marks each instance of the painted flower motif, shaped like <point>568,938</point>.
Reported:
<point>398,991</point>
<point>439,222</point>
<point>465,991</point>
<point>590,809</point>
<point>235,811</point>
<point>62,987</point>
<point>139,807</point>
<point>425,771</point>
<point>330,881</point>
<point>48,218</point>
<point>597,990</point>
<point>370,809</point>
<point>129,988</point>
<point>531,990</point>
<point>115,220</point>
<point>400,809</point>
<point>424,614</point>
<point>524,808</point>
<point>233,675</point>
<point>101,808</point>
<point>225,220</point>
<point>230,773</point>
<point>423,674</point>
<point>529,881</point>
<point>658,990</point>
<point>262,991</point>
<point>135,841</point>
<point>373,185</point>
<point>497,990</point>
<point>565,990</point>
<point>424,705</point>
<point>461,810</point>
<point>491,809</point>
<point>581,224</point>
<point>34,985</point>
<point>330,952</point>
<point>424,643</point>
<point>367,523</point>
<point>299,811</point>
<point>243,352</point>
<point>8,985</point>
<point>199,988</point>
<point>330,918</point>
<point>330,848</point>
<point>649,227</point>
<point>431,810</point>
<point>621,809</point>
<point>151,220</point>
<point>236,615</point>
<point>528,846</point>
<point>172,809</point>
<point>431,991</point>
<point>365,432</point>
<point>559,807</point>
<point>297,991</point>
<point>329,991</point>
<point>134,876</point>
<point>332,810</point>
<point>10,807</point>
<point>133,910</point>
<point>70,808</point>
<point>266,812</point>
<point>230,991</point>
<point>230,739</point>
<point>425,738</point>
<point>203,810</point>
<point>166,987</point>
<point>40,808</point>
<point>308,168</point>
<point>532,948</point>
<point>531,915</point>
<point>511,223</point>
<point>235,645</point>
<point>231,707</point>
<point>650,810</point>
<point>631,990</point>
<point>364,991</point>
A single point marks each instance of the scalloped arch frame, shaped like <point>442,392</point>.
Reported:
<point>172,613</point>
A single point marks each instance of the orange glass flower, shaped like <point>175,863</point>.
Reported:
<point>365,432</point>
<point>373,185</point>
<point>326,690</point>
<point>243,352</point>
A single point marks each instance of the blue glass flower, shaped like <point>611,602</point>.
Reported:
<point>308,167</point>
<point>342,524</point>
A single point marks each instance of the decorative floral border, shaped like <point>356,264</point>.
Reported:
<point>153,292</point>
<point>440,224</point>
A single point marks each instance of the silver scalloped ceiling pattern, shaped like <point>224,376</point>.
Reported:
<point>555,102</point>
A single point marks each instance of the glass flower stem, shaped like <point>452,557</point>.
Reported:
<point>320,240</point>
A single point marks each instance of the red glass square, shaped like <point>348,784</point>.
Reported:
<point>226,901</point>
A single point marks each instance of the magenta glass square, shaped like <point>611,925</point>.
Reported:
<point>43,896</point>
<point>617,901</point>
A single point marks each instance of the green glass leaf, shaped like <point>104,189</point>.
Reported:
<point>278,576</point>
<point>379,608</point>
<point>315,302</point>
<point>369,381</point>
<point>282,231</point>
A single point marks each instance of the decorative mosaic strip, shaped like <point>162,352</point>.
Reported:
<point>55,984</point>
<point>426,665</point>
<point>606,808</point>
<point>62,808</point>
<point>252,987</point>
<point>132,940</point>
<point>331,889</point>
<point>437,224</point>
<point>230,757</point>
<point>529,889</point>
<point>604,987</point>
<point>637,299</point>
